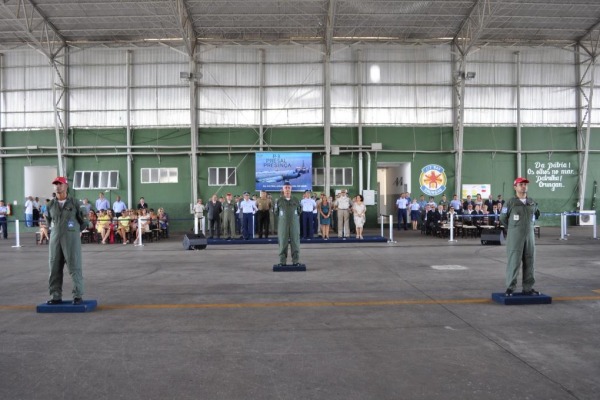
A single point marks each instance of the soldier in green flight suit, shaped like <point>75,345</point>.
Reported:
<point>67,221</point>
<point>518,216</point>
<point>288,227</point>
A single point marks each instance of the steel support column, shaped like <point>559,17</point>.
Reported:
<point>59,104</point>
<point>359,106</point>
<point>465,39</point>
<point>590,43</point>
<point>519,138</point>
<point>1,130</point>
<point>261,97</point>
<point>47,40</point>
<point>193,129</point>
<point>129,55</point>
<point>329,24</point>
<point>458,68</point>
<point>189,36</point>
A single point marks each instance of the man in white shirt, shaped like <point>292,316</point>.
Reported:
<point>199,213</point>
<point>119,206</point>
<point>343,204</point>
<point>402,204</point>
<point>308,206</point>
<point>247,210</point>
<point>29,212</point>
<point>102,203</point>
<point>3,221</point>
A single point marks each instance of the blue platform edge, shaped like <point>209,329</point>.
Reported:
<point>288,268</point>
<point>519,299</point>
<point>68,307</point>
<point>273,240</point>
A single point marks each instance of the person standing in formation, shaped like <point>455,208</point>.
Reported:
<point>288,227</point>
<point>67,221</point>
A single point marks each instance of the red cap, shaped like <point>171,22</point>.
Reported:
<point>520,180</point>
<point>59,179</point>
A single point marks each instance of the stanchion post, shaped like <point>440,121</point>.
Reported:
<point>594,225</point>
<point>391,239</point>
<point>141,233</point>
<point>563,228</point>
<point>196,225</point>
<point>451,228</point>
<point>17,235</point>
<point>381,220</point>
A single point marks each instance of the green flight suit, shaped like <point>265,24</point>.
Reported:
<point>288,228</point>
<point>66,223</point>
<point>519,220</point>
<point>228,213</point>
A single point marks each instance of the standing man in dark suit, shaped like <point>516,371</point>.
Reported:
<point>213,214</point>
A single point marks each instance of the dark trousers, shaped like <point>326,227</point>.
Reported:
<point>4,226</point>
<point>307,225</point>
<point>402,216</point>
<point>315,223</point>
<point>215,222</point>
<point>263,223</point>
<point>247,222</point>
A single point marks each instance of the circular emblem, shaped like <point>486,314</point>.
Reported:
<point>432,180</point>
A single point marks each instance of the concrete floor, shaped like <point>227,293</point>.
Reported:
<point>366,321</point>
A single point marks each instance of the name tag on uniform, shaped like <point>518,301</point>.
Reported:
<point>281,213</point>
<point>515,217</point>
<point>71,225</point>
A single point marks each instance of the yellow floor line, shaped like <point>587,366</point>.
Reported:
<point>374,303</point>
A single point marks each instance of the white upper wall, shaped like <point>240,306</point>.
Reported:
<point>401,85</point>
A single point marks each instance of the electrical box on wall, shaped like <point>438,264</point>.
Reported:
<point>369,197</point>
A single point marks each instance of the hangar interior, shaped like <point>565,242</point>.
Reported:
<point>127,97</point>
<point>174,99</point>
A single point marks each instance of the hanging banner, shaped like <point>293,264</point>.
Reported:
<point>273,169</point>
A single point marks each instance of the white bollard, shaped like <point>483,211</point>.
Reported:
<point>141,237</point>
<point>196,225</point>
<point>17,235</point>
<point>452,228</point>
<point>594,225</point>
<point>391,239</point>
<point>381,222</point>
<point>563,226</point>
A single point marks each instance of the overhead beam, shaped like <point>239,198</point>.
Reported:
<point>591,40</point>
<point>186,25</point>
<point>36,26</point>
<point>473,25</point>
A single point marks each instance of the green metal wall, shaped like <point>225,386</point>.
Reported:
<point>490,157</point>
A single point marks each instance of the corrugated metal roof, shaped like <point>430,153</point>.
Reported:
<point>507,21</point>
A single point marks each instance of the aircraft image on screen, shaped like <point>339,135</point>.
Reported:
<point>280,176</point>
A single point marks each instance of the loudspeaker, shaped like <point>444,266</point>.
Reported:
<point>192,242</point>
<point>492,237</point>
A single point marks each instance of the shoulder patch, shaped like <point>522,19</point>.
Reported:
<point>504,210</point>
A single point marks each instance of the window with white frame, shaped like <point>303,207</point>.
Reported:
<point>338,176</point>
<point>222,176</point>
<point>159,175</point>
<point>96,180</point>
